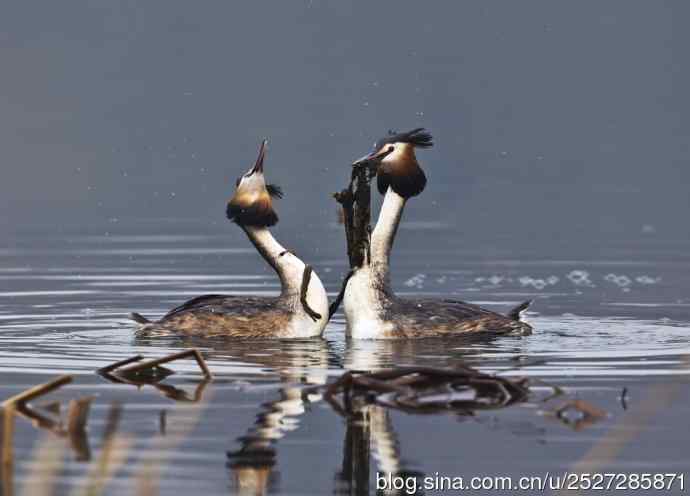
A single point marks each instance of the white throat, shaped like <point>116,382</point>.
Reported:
<point>288,267</point>
<point>386,228</point>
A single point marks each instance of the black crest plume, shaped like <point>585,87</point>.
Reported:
<point>417,137</point>
<point>275,191</point>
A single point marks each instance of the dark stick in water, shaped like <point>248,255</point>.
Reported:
<point>356,204</point>
<point>193,353</point>
<point>34,392</point>
<point>361,227</point>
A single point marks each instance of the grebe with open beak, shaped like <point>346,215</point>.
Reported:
<point>301,309</point>
<point>372,309</point>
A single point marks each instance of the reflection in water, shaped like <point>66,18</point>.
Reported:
<point>370,435</point>
<point>252,465</point>
<point>296,363</point>
<point>179,394</point>
<point>366,403</point>
<point>353,477</point>
<point>296,360</point>
<point>65,337</point>
<point>380,354</point>
<point>49,455</point>
<point>152,373</point>
<point>47,417</point>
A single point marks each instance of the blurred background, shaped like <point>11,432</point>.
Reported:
<point>554,121</point>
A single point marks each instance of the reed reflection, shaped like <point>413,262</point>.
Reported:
<point>366,399</point>
<point>72,429</point>
<point>296,364</point>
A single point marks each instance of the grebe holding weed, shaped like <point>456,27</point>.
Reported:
<point>301,309</point>
<point>372,309</point>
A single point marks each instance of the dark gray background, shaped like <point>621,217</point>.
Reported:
<point>553,120</point>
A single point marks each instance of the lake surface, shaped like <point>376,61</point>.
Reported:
<point>601,326</point>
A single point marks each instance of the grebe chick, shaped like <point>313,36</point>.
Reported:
<point>301,309</point>
<point>372,309</point>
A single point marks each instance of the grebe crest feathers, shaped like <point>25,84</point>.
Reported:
<point>397,163</point>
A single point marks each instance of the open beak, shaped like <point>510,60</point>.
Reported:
<point>259,165</point>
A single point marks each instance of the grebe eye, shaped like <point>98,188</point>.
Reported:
<point>237,183</point>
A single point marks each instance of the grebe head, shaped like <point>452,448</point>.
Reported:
<point>252,203</point>
<point>396,163</point>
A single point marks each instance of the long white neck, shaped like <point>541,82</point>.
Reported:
<point>310,305</point>
<point>386,228</point>
<point>288,266</point>
<point>369,289</point>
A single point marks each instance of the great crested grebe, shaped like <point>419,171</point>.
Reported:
<point>372,309</point>
<point>301,309</point>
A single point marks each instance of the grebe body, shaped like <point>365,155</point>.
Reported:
<point>301,309</point>
<point>372,309</point>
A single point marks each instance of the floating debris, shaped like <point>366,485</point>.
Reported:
<point>150,371</point>
<point>425,390</point>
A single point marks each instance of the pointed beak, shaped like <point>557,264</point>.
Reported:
<point>259,165</point>
<point>365,160</point>
<point>373,158</point>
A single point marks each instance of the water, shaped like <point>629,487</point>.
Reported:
<point>65,298</point>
